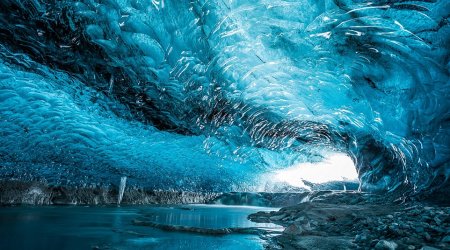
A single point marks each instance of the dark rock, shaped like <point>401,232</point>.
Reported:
<point>446,239</point>
<point>293,230</point>
<point>437,220</point>
<point>386,245</point>
<point>277,217</point>
<point>429,248</point>
<point>368,225</point>
<point>427,236</point>
<point>360,237</point>
<point>321,243</point>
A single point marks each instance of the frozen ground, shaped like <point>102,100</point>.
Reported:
<point>78,227</point>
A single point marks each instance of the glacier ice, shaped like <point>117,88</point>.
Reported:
<point>207,95</point>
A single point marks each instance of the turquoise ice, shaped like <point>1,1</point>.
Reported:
<point>209,95</point>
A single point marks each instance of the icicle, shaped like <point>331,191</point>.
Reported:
<point>123,183</point>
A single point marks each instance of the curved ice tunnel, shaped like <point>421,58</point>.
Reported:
<point>204,94</point>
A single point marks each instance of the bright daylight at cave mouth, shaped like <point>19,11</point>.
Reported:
<point>337,167</point>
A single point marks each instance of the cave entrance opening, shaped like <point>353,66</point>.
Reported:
<point>335,168</point>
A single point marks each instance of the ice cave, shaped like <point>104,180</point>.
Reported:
<point>225,124</point>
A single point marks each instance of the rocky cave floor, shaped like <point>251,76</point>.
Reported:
<point>311,220</point>
<point>351,220</point>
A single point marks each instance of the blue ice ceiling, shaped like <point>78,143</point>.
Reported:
<point>208,95</point>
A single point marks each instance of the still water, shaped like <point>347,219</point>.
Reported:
<point>76,227</point>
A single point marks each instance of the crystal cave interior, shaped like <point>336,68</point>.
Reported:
<point>248,103</point>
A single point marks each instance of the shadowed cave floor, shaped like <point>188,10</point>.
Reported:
<point>354,221</point>
<point>343,220</point>
<point>308,220</point>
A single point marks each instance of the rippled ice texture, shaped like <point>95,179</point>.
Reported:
<point>210,94</point>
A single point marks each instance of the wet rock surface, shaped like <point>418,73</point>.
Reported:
<point>351,220</point>
<point>199,230</point>
<point>260,199</point>
<point>39,193</point>
<point>312,220</point>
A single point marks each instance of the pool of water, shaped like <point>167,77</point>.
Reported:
<point>78,227</point>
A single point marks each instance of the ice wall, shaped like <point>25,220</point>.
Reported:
<point>209,94</point>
